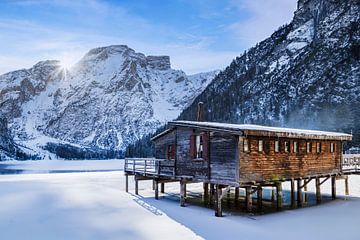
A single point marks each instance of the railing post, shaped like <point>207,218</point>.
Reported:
<point>133,165</point>
<point>145,167</point>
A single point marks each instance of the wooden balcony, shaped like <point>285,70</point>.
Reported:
<point>150,167</point>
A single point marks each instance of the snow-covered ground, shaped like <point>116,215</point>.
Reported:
<point>94,205</point>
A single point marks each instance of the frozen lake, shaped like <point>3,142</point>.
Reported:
<point>86,200</point>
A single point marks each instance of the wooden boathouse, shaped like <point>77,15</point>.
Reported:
<point>224,156</point>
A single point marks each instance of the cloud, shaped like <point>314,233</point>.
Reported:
<point>264,17</point>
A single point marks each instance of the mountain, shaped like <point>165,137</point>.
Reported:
<point>110,98</point>
<point>306,74</point>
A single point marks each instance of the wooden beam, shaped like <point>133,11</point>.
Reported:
<point>292,193</point>
<point>156,190</point>
<point>259,198</point>
<point>126,183</point>
<point>318,190</point>
<point>212,193</point>
<point>162,185</point>
<point>237,194</point>
<point>206,193</point>
<point>305,191</point>
<point>226,191</point>
<point>272,196</point>
<point>333,187</point>
<point>324,180</point>
<point>248,199</point>
<point>346,185</point>
<point>182,193</point>
<point>299,194</point>
<point>136,186</point>
<point>218,207</point>
<point>279,197</point>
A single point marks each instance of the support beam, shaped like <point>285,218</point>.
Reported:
<point>259,198</point>
<point>292,193</point>
<point>237,194</point>
<point>305,192</point>
<point>318,190</point>
<point>182,193</point>
<point>299,194</point>
<point>346,185</point>
<point>153,184</point>
<point>333,187</point>
<point>156,190</point>
<point>126,183</point>
<point>228,197</point>
<point>272,196</point>
<point>162,185</point>
<point>218,207</point>
<point>248,199</point>
<point>206,193</point>
<point>136,186</point>
<point>212,193</point>
<point>279,197</point>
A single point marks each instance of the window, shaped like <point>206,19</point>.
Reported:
<point>277,146</point>
<point>296,147</point>
<point>261,146</point>
<point>308,147</point>
<point>332,147</point>
<point>246,145</point>
<point>318,147</point>
<point>286,146</point>
<point>199,146</point>
<point>170,152</point>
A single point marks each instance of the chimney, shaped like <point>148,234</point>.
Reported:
<point>200,112</point>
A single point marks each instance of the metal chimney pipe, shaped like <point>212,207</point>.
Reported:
<point>200,112</point>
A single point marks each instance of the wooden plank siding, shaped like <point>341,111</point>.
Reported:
<point>269,165</point>
<point>224,157</point>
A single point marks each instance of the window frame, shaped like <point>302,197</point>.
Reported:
<point>332,147</point>
<point>308,147</point>
<point>247,145</point>
<point>296,147</point>
<point>260,149</point>
<point>318,147</point>
<point>286,146</point>
<point>276,146</point>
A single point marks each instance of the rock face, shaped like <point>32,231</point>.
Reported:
<point>8,148</point>
<point>307,74</point>
<point>110,98</point>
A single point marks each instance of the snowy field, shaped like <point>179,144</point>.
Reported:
<point>94,205</point>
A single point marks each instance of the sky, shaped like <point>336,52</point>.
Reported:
<point>198,35</point>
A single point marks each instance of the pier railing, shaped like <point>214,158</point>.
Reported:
<point>150,166</point>
<point>351,163</point>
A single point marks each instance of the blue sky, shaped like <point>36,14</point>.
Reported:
<point>198,35</point>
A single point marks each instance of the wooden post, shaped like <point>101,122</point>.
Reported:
<point>259,198</point>
<point>182,193</point>
<point>248,199</point>
<point>279,197</point>
<point>126,183</point>
<point>305,193</point>
<point>346,185</point>
<point>228,197</point>
<point>153,184</point>
<point>299,193</point>
<point>156,190</point>
<point>136,186</point>
<point>318,190</point>
<point>218,208</point>
<point>292,193</point>
<point>272,196</point>
<point>162,185</point>
<point>212,193</point>
<point>206,192</point>
<point>237,193</point>
<point>333,187</point>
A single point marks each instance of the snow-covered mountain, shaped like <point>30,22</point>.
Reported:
<point>110,98</point>
<point>306,74</point>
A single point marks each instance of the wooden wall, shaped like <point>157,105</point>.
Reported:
<point>162,142</point>
<point>185,166</point>
<point>272,166</point>
<point>224,157</point>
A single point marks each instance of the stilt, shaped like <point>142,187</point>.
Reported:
<point>299,193</point>
<point>162,189</point>
<point>206,193</point>
<point>305,193</point>
<point>279,198</point>
<point>136,186</point>
<point>182,193</point>
<point>318,190</point>
<point>272,196</point>
<point>156,190</point>
<point>218,208</point>
<point>259,198</point>
<point>333,187</point>
<point>248,199</point>
<point>292,193</point>
<point>126,183</point>
<point>346,185</point>
<point>212,193</point>
<point>228,197</point>
<point>153,184</point>
<point>237,194</point>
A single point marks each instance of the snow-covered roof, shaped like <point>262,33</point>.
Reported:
<point>251,129</point>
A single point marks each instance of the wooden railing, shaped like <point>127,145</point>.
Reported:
<point>150,166</point>
<point>351,163</point>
